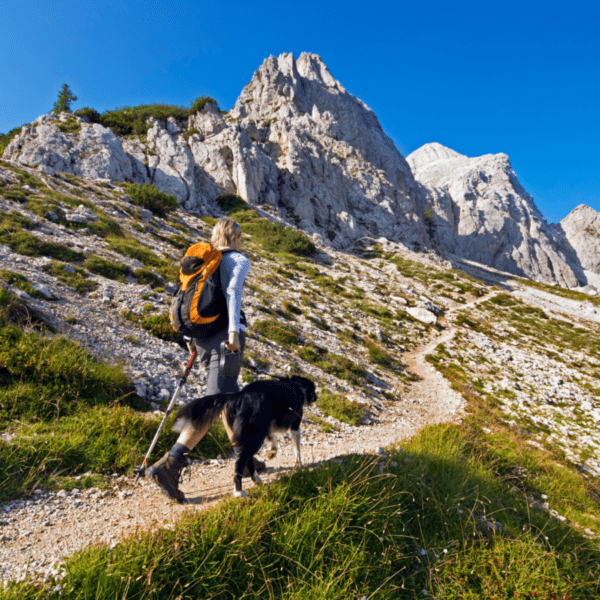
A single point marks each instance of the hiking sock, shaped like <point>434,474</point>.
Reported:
<point>179,451</point>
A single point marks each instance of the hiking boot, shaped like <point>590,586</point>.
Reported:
<point>259,467</point>
<point>165,473</point>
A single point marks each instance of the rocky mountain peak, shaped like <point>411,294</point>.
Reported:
<point>484,214</point>
<point>430,153</point>
<point>579,235</point>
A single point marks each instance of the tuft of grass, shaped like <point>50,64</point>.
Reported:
<point>160,326</point>
<point>333,364</point>
<point>340,408</point>
<point>105,268</point>
<point>20,282</point>
<point>147,277</point>
<point>281,333</point>
<point>378,355</point>
<point>78,280</point>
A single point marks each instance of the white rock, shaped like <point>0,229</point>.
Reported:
<point>47,292</point>
<point>422,314</point>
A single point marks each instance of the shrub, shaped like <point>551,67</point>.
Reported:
<point>231,203</point>
<point>133,120</point>
<point>429,219</point>
<point>155,200</point>
<point>6,138</point>
<point>199,103</point>
<point>92,115</point>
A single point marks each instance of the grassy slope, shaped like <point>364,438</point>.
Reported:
<point>449,515</point>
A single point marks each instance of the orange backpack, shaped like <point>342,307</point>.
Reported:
<point>199,308</point>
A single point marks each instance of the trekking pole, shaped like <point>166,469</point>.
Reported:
<point>142,469</point>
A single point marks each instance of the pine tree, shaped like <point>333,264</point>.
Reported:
<point>65,97</point>
<point>430,224</point>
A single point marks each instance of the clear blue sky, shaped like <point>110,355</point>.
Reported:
<point>521,78</point>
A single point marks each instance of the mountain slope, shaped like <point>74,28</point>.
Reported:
<point>519,474</point>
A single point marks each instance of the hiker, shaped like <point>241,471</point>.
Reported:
<point>234,266</point>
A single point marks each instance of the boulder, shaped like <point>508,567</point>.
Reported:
<point>422,314</point>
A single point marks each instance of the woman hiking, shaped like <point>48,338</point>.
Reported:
<point>227,237</point>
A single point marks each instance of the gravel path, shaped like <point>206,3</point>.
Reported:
<point>39,533</point>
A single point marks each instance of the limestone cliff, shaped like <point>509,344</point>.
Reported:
<point>482,213</point>
<point>581,231</point>
<point>295,139</point>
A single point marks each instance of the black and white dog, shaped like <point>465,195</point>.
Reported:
<point>251,416</point>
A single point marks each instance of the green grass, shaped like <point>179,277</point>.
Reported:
<point>100,439</point>
<point>20,282</point>
<point>6,138</point>
<point>160,326</point>
<point>340,408</point>
<point>272,237</point>
<point>153,199</point>
<point>13,233</point>
<point>333,364</point>
<point>108,269</point>
<point>131,247</point>
<point>282,333</point>
<point>147,277</point>
<point>558,291</point>
<point>425,518</point>
<point>70,413</point>
<point>535,325</point>
<point>79,280</point>
<point>45,378</point>
<point>378,355</point>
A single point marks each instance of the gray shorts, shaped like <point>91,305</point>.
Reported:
<point>209,354</point>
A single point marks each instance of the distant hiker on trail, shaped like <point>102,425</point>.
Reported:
<point>230,328</point>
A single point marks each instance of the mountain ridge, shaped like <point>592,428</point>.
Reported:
<point>297,141</point>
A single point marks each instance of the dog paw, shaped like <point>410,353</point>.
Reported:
<point>271,454</point>
<point>240,494</point>
<point>257,480</point>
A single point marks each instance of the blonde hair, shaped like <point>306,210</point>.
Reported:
<point>224,232</point>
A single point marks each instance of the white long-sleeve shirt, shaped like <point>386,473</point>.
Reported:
<point>234,268</point>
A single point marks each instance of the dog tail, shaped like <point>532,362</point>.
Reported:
<point>200,411</point>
